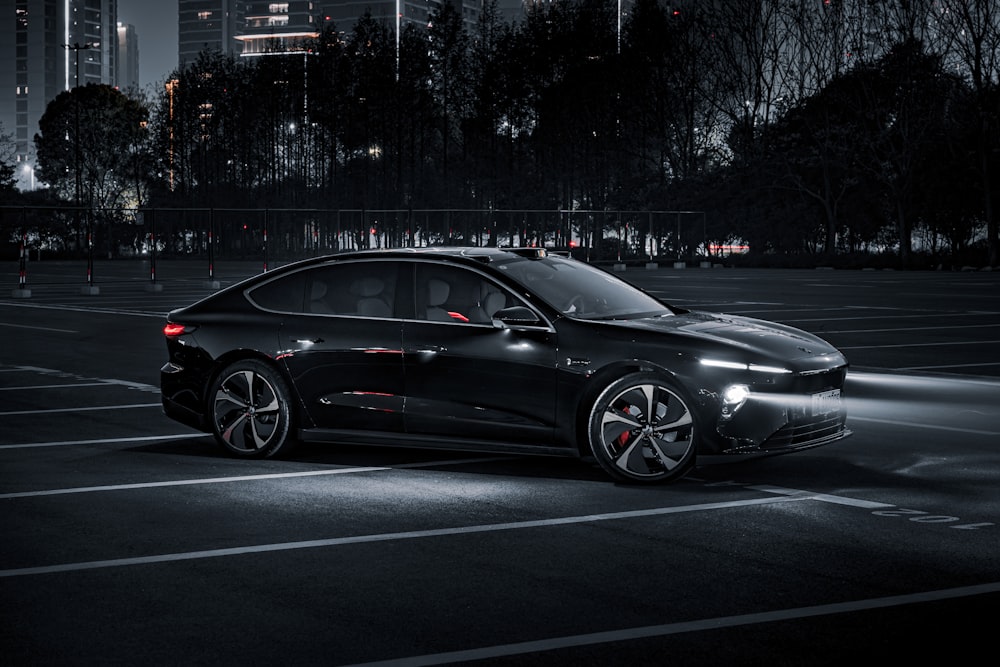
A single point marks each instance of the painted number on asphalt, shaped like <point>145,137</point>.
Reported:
<point>919,516</point>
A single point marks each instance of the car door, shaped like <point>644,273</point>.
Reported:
<point>466,378</point>
<point>344,349</point>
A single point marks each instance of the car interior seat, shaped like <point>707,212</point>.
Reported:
<point>370,303</point>
<point>490,301</point>
<point>437,293</point>
<point>317,298</point>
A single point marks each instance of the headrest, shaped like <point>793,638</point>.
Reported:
<point>437,292</point>
<point>367,287</point>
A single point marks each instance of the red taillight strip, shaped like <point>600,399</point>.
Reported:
<point>172,329</point>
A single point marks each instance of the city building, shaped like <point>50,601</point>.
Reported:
<point>211,25</point>
<point>46,47</point>
<point>128,58</point>
<point>278,27</point>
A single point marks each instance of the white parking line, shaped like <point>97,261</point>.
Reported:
<point>941,344</point>
<point>388,537</point>
<point>930,368</point>
<point>627,634</point>
<point>189,482</point>
<point>240,478</point>
<point>55,386</point>
<point>90,409</point>
<point>900,329</point>
<point>82,309</point>
<point>100,441</point>
<point>822,497</point>
<point>25,326</point>
<point>953,429</point>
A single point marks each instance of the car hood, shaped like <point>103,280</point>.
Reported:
<point>757,337</point>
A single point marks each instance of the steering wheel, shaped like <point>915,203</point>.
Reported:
<point>574,305</point>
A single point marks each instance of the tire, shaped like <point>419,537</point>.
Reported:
<point>249,403</point>
<point>631,446</point>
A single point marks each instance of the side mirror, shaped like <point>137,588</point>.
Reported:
<point>515,316</point>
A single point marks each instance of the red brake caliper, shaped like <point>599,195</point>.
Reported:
<point>623,438</point>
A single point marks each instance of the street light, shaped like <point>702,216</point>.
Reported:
<point>76,48</point>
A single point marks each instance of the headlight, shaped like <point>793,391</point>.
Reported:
<point>733,398</point>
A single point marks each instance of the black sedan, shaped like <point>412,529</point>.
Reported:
<point>512,350</point>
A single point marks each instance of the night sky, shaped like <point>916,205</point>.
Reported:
<point>156,25</point>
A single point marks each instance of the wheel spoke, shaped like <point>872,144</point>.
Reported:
<point>613,416</point>
<point>258,440</point>
<point>271,407</point>
<point>227,433</point>
<point>669,461</point>
<point>684,420</point>
<point>649,392</point>
<point>224,394</point>
<point>631,459</point>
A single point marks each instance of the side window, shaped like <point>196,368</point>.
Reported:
<point>286,294</point>
<point>457,295</point>
<point>362,289</point>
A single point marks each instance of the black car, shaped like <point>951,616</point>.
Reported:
<point>513,350</point>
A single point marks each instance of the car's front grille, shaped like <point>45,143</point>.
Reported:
<point>807,433</point>
<point>810,383</point>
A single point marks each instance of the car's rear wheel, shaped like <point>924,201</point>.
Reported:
<point>250,406</point>
<point>642,430</point>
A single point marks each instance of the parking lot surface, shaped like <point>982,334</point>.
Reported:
<point>129,538</point>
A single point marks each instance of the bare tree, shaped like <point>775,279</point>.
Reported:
<point>970,32</point>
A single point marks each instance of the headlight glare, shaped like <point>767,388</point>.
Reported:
<point>733,398</point>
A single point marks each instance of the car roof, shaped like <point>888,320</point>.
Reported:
<point>462,254</point>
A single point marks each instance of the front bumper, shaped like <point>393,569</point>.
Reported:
<point>807,411</point>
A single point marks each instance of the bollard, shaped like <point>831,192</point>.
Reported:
<point>22,291</point>
<point>265,240</point>
<point>90,288</point>
<point>211,283</point>
<point>152,286</point>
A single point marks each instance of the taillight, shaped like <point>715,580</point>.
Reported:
<point>172,329</point>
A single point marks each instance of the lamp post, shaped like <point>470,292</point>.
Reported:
<point>89,288</point>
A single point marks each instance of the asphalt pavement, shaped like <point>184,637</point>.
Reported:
<point>126,538</point>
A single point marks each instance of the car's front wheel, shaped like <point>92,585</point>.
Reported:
<point>250,407</point>
<point>641,429</point>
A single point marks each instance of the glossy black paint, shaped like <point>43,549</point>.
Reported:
<point>395,375</point>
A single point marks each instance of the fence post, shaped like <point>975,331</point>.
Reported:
<point>90,288</point>
<point>22,291</point>
<point>265,240</point>
<point>211,283</point>
<point>153,286</point>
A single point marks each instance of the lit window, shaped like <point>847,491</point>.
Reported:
<point>278,8</point>
<point>204,16</point>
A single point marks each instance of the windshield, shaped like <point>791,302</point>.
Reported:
<point>580,290</point>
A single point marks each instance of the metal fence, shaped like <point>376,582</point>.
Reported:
<point>281,235</point>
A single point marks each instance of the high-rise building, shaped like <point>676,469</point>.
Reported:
<point>128,57</point>
<point>277,27</point>
<point>211,25</point>
<point>46,47</point>
<point>395,13</point>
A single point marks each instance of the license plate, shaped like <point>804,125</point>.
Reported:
<point>826,402</point>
